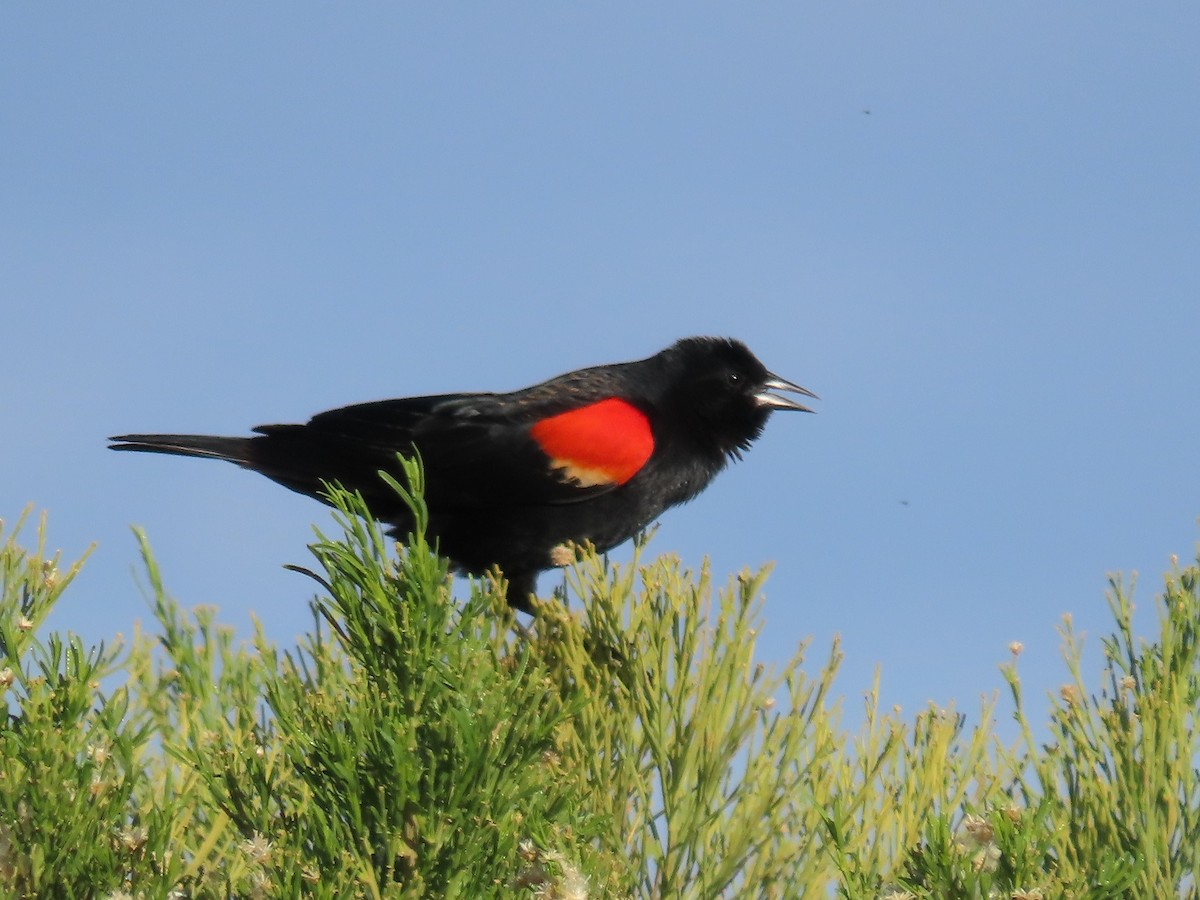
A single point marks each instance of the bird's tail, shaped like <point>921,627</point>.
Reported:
<point>233,449</point>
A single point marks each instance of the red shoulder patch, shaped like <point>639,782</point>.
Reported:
<point>602,443</point>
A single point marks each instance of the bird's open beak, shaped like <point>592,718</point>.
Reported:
<point>774,401</point>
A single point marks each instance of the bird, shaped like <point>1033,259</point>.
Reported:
<point>514,479</point>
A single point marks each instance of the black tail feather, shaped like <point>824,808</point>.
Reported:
<point>233,449</point>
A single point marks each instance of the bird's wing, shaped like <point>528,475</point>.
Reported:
<point>479,450</point>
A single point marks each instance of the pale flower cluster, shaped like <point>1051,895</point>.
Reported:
<point>568,884</point>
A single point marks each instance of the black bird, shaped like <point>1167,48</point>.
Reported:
<point>593,455</point>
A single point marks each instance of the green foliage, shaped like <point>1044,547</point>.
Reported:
<point>81,812</point>
<point>1120,781</point>
<point>414,747</point>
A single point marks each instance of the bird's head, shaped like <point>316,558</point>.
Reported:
<point>722,389</point>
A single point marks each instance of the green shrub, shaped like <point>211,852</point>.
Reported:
<point>632,747</point>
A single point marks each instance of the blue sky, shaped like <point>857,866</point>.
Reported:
<point>973,230</point>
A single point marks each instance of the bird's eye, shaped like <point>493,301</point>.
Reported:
<point>734,378</point>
